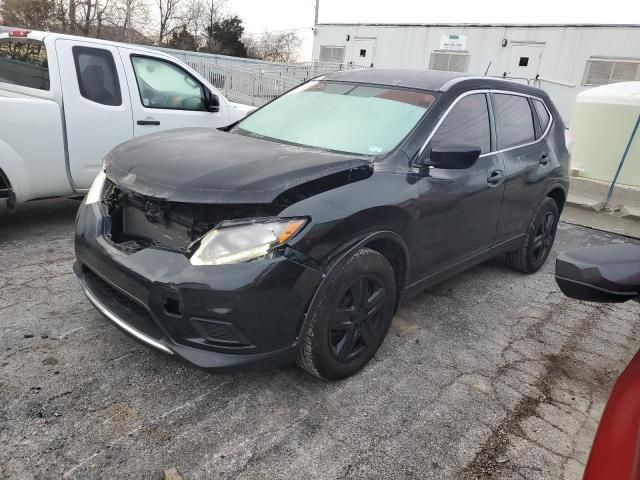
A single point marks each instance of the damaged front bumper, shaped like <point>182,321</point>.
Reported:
<point>215,317</point>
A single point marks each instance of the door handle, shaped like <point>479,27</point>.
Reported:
<point>544,159</point>
<point>495,178</point>
<point>148,122</point>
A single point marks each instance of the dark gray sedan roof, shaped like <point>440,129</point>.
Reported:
<point>426,80</point>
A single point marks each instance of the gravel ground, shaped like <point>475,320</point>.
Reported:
<point>493,374</point>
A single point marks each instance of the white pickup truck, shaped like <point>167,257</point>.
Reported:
<point>66,101</point>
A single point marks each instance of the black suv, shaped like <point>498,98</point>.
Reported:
<point>295,234</point>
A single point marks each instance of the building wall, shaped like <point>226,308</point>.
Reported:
<point>564,50</point>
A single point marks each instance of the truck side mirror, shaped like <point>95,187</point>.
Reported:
<point>608,274</point>
<point>211,101</point>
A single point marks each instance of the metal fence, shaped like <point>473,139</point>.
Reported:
<point>250,81</point>
<point>244,85</point>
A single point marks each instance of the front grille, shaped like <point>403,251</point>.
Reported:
<point>135,224</point>
<point>122,306</point>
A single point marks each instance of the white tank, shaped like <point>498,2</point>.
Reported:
<point>602,123</point>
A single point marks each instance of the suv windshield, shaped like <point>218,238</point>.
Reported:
<point>344,117</point>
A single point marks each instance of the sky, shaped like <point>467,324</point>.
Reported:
<point>277,15</point>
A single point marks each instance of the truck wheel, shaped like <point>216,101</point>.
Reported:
<point>350,318</point>
<point>539,239</point>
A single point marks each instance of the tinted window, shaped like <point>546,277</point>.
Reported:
<point>24,62</point>
<point>97,75</point>
<point>346,117</point>
<point>514,121</point>
<point>165,85</point>
<point>543,115</point>
<point>467,122</point>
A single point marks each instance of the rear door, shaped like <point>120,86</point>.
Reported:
<point>164,95</point>
<point>96,103</point>
<point>525,153</point>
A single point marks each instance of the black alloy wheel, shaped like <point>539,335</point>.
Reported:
<point>544,237</point>
<point>537,244</point>
<point>355,323</point>
<point>348,320</point>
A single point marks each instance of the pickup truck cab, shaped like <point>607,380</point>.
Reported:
<point>67,101</point>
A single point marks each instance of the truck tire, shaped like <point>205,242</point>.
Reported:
<point>350,317</point>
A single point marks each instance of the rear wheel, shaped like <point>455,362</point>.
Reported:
<point>541,234</point>
<point>350,318</point>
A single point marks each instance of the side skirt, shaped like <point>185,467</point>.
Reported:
<point>438,277</point>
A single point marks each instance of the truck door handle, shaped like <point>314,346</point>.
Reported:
<point>495,178</point>
<point>148,122</point>
<point>544,159</point>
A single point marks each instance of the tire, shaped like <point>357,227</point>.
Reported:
<point>532,254</point>
<point>350,317</point>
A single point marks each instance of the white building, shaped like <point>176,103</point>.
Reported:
<point>562,59</point>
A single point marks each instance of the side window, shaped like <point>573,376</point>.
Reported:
<point>24,62</point>
<point>97,75</point>
<point>514,122</point>
<point>165,85</point>
<point>543,115</point>
<point>467,122</point>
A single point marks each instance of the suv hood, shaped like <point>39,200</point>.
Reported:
<point>200,165</point>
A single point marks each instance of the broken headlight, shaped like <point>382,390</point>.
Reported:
<point>236,242</point>
<point>95,192</point>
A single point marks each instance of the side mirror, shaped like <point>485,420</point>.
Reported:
<point>211,101</point>
<point>609,274</point>
<point>453,156</point>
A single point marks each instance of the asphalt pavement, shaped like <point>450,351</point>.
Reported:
<point>493,374</point>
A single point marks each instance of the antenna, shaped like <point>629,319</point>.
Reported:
<point>315,23</point>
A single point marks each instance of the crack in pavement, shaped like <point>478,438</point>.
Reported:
<point>489,460</point>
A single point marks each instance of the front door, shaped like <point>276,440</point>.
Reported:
<point>97,110</point>
<point>362,52</point>
<point>164,95</point>
<point>459,209</point>
<point>524,60</point>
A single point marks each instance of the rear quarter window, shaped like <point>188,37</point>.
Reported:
<point>543,115</point>
<point>24,62</point>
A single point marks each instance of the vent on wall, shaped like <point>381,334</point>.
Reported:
<point>331,54</point>
<point>605,71</point>
<point>449,61</point>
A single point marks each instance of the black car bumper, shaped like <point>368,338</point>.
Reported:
<point>215,317</point>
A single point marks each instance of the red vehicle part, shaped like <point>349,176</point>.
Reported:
<point>615,453</point>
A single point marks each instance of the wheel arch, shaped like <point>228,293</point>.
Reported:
<point>387,243</point>
<point>558,194</point>
<point>5,185</point>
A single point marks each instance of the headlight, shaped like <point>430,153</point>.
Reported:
<point>95,192</point>
<point>244,242</point>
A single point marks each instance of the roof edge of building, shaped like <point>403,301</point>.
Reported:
<point>500,25</point>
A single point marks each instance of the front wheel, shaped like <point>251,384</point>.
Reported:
<point>538,242</point>
<point>350,318</point>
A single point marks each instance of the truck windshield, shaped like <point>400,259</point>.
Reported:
<point>344,117</point>
<point>24,62</point>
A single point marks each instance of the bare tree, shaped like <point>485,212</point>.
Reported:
<point>253,47</point>
<point>169,18</point>
<point>27,13</point>
<point>129,18</point>
<point>194,19</point>
<point>275,47</point>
